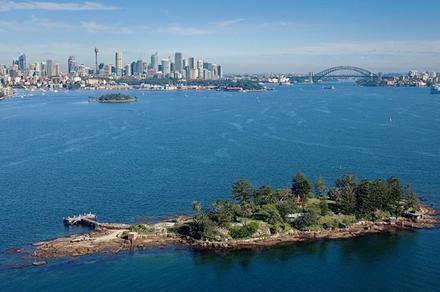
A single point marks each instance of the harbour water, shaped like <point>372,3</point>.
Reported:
<point>60,155</point>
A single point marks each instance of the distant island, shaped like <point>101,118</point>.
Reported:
<point>262,217</point>
<point>113,98</point>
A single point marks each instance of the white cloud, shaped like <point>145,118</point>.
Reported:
<point>40,5</point>
<point>228,22</point>
<point>185,30</point>
<point>99,28</point>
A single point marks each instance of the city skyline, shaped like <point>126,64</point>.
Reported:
<point>245,37</point>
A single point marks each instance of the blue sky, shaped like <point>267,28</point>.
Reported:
<point>243,36</point>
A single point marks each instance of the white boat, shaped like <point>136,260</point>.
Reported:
<point>435,89</point>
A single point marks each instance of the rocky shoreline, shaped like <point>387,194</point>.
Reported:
<point>116,240</point>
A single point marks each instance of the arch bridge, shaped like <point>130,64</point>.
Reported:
<point>346,72</point>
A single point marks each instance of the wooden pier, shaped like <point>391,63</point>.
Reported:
<point>90,220</point>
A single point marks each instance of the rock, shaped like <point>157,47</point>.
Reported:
<point>39,263</point>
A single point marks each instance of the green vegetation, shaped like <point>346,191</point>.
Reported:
<point>254,212</point>
<point>244,231</point>
<point>113,98</point>
<point>140,228</point>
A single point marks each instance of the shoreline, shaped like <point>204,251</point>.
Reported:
<point>105,240</point>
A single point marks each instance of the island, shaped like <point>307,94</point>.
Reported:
<point>113,98</point>
<point>261,217</point>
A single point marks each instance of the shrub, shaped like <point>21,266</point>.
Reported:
<point>268,213</point>
<point>140,228</point>
<point>244,231</point>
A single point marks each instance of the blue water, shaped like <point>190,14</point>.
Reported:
<point>60,155</point>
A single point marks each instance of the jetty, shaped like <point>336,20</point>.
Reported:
<point>90,220</point>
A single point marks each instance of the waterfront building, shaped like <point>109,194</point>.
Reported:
<point>155,61</point>
<point>178,65</point>
<point>118,63</point>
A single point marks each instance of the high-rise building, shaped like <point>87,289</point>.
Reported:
<point>166,66</point>
<point>127,70</point>
<point>139,67</point>
<point>220,71</point>
<point>71,65</point>
<point>155,61</point>
<point>191,63</point>
<point>178,65</point>
<point>56,69</point>
<point>49,68</point>
<point>118,63</point>
<point>96,61</point>
<point>199,68</point>
<point>22,62</point>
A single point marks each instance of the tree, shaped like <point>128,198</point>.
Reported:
<point>242,191</point>
<point>264,195</point>
<point>394,194</point>
<point>412,202</point>
<point>223,212</point>
<point>197,206</point>
<point>323,206</point>
<point>282,194</point>
<point>347,185</point>
<point>320,186</point>
<point>301,186</point>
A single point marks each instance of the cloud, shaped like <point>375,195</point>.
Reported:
<point>186,30</point>
<point>213,27</point>
<point>98,28</point>
<point>33,25</point>
<point>40,5</point>
<point>229,22</point>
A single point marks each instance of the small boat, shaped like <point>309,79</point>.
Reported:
<point>435,89</point>
<point>332,87</point>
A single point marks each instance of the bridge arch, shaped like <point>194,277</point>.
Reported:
<point>327,72</point>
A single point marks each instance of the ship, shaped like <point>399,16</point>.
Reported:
<point>435,89</point>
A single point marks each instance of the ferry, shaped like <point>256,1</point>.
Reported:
<point>435,89</point>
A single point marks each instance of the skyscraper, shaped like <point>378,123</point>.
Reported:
<point>220,71</point>
<point>118,63</point>
<point>155,61</point>
<point>71,65</point>
<point>56,69</point>
<point>166,66</point>
<point>178,62</point>
<point>96,61</point>
<point>199,68</point>
<point>139,67</point>
<point>22,62</point>
<point>191,63</point>
<point>49,68</point>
